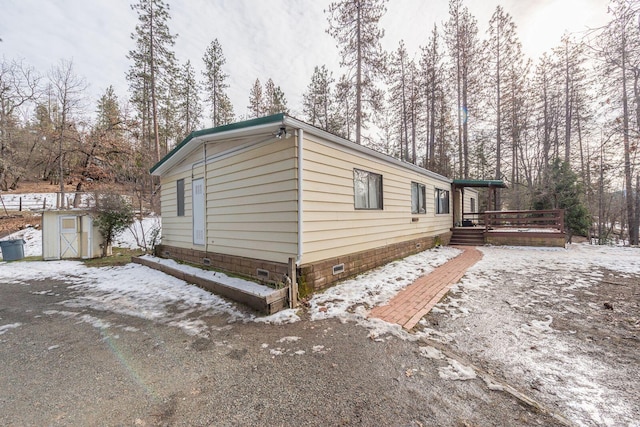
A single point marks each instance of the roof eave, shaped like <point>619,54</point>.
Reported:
<point>290,121</point>
<point>247,127</point>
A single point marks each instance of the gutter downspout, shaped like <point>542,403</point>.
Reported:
<point>300,204</point>
<point>206,213</point>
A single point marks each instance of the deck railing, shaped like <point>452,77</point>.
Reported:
<point>550,219</point>
<point>547,219</point>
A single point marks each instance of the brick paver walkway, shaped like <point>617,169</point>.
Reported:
<point>417,299</point>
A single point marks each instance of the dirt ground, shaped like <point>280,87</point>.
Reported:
<point>568,338</point>
<point>17,221</point>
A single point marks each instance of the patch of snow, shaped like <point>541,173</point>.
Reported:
<point>94,321</point>
<point>132,290</point>
<point>282,317</point>
<point>289,339</point>
<point>233,282</point>
<point>32,241</point>
<point>491,385</point>
<point>431,352</point>
<point>5,328</point>
<point>354,298</point>
<point>192,327</point>
<point>30,201</point>
<point>138,235</point>
<point>456,371</point>
<point>537,327</point>
<point>53,347</point>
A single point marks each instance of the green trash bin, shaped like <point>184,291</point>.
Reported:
<point>12,250</point>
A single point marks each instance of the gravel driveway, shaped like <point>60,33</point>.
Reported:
<point>72,365</point>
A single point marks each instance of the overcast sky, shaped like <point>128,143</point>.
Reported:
<point>281,39</point>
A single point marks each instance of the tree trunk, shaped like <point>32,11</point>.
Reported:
<point>154,102</point>
<point>358,74</point>
<point>633,229</point>
<point>567,108</point>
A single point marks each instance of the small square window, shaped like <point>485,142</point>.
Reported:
<point>418,199</point>
<point>69,224</point>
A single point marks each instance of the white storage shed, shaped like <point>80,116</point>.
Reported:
<point>68,234</point>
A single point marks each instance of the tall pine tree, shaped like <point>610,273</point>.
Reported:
<point>215,85</point>
<point>317,102</point>
<point>188,101</point>
<point>152,61</point>
<point>461,36</point>
<point>355,26</point>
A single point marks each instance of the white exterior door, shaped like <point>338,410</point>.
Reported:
<point>69,239</point>
<point>197,195</point>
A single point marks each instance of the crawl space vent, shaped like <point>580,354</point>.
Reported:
<point>337,269</point>
<point>262,274</point>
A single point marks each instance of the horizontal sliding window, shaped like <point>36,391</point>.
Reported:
<point>367,188</point>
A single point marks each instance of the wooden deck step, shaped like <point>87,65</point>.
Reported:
<point>467,236</point>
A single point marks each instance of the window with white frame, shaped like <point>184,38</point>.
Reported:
<point>442,201</point>
<point>367,189</point>
<point>418,199</point>
<point>180,196</point>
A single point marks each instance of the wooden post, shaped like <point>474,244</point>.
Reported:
<point>3,205</point>
<point>20,204</point>
<point>293,286</point>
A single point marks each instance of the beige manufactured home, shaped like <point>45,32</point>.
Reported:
<point>258,196</point>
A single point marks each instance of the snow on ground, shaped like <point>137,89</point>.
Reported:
<point>352,299</point>
<point>233,282</point>
<point>137,236</point>
<point>32,238</point>
<point>5,328</point>
<point>132,290</point>
<point>30,201</point>
<point>506,311</point>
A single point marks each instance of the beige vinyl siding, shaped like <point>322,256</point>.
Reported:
<point>332,225</point>
<point>470,193</point>
<point>178,230</point>
<point>252,203</point>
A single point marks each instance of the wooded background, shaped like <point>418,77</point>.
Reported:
<point>561,130</point>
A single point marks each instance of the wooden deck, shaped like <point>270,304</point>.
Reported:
<point>513,228</point>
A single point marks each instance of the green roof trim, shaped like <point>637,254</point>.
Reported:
<point>275,118</point>
<point>479,183</point>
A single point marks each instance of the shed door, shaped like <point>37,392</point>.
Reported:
<point>69,241</point>
<point>197,195</point>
